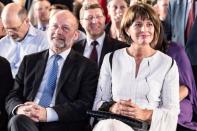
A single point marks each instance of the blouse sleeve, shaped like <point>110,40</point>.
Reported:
<point>165,117</point>
<point>104,92</point>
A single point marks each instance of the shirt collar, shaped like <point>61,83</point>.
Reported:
<point>32,30</point>
<point>63,54</point>
<point>99,40</point>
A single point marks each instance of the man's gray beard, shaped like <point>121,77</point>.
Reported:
<point>60,45</point>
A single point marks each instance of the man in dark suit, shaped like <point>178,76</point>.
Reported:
<point>6,83</point>
<point>92,20</point>
<point>54,88</point>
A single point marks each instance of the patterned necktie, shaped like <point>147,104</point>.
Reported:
<point>190,20</point>
<point>49,89</point>
<point>94,54</point>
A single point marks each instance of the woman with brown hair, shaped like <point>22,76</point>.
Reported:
<point>142,83</point>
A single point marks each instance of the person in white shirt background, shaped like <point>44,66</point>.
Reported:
<point>40,14</point>
<point>22,38</point>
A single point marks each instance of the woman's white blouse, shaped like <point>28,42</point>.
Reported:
<point>156,86</point>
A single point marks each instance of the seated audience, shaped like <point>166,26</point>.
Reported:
<point>22,38</point>
<point>141,83</point>
<point>54,88</point>
<point>97,42</point>
<point>41,11</point>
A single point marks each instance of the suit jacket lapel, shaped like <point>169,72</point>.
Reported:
<point>80,46</point>
<point>105,49</point>
<point>66,70</point>
<point>40,68</point>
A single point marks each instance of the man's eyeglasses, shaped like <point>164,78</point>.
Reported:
<point>64,28</point>
<point>90,18</point>
<point>14,29</point>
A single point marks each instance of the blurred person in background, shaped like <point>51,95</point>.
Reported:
<point>41,11</point>
<point>116,10</point>
<point>161,7</point>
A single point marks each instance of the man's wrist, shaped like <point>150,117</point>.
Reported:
<point>15,110</point>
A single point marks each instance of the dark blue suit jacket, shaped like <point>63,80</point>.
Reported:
<point>76,88</point>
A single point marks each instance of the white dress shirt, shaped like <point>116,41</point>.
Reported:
<point>34,41</point>
<point>155,87</point>
<point>89,47</point>
<point>51,114</point>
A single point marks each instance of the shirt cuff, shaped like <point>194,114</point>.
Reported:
<point>14,110</point>
<point>51,115</point>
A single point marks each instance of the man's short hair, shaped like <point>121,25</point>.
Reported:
<point>88,7</point>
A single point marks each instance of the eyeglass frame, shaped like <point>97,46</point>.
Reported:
<point>90,18</point>
<point>64,28</point>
